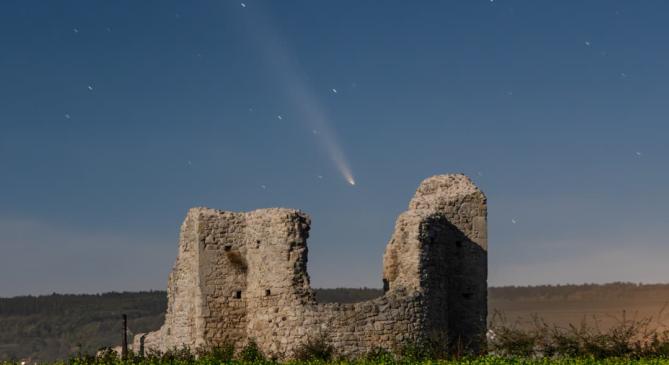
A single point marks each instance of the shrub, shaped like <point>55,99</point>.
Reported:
<point>216,354</point>
<point>317,348</point>
<point>251,352</point>
<point>106,355</point>
<point>181,355</point>
<point>514,342</point>
<point>379,355</point>
<point>436,346</point>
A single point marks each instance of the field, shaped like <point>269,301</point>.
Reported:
<point>601,306</point>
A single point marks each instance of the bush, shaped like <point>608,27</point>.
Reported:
<point>317,348</point>
<point>379,355</point>
<point>251,352</point>
<point>216,354</point>
<point>433,347</point>
<point>106,356</point>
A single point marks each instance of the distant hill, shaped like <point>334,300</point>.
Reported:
<point>52,327</point>
<point>347,295</point>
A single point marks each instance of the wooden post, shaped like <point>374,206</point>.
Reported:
<point>124,347</point>
<point>141,345</point>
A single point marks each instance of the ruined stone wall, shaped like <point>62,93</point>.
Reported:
<point>242,276</point>
<point>455,259</point>
<point>183,289</point>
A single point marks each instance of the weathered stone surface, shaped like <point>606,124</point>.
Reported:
<point>242,276</point>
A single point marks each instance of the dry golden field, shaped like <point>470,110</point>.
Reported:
<point>599,305</point>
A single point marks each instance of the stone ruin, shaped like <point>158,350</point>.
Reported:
<point>243,276</point>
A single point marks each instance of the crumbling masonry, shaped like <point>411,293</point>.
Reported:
<point>243,276</point>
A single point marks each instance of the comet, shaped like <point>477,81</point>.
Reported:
<point>285,66</point>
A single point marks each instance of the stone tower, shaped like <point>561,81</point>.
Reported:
<point>243,276</point>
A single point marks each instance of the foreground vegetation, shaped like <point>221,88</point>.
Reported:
<point>215,359</point>
<point>485,360</point>
<point>623,345</point>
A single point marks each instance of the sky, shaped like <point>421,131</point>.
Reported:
<point>118,116</point>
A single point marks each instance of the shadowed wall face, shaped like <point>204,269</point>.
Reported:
<point>242,276</point>
<point>454,279</point>
<point>443,241</point>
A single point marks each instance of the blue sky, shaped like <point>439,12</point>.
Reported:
<point>117,116</point>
